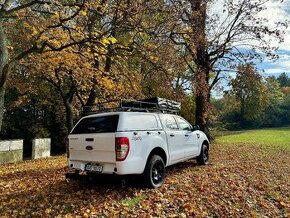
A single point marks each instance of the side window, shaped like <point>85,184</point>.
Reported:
<point>169,122</point>
<point>183,124</point>
<point>141,122</point>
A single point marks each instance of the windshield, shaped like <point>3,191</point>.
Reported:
<point>101,124</point>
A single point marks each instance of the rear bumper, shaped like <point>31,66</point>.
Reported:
<point>120,168</point>
<point>108,168</point>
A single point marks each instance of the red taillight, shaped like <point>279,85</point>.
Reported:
<point>67,147</point>
<point>122,148</point>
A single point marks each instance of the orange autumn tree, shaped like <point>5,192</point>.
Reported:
<point>70,29</point>
<point>95,69</point>
<point>27,27</point>
<point>68,73</point>
<point>72,75</point>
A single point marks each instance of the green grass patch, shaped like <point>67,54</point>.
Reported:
<point>278,137</point>
<point>131,202</point>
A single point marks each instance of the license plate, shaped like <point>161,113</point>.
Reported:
<point>94,168</point>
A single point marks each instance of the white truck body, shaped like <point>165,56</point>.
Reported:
<point>122,142</point>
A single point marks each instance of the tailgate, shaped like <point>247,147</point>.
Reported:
<point>93,139</point>
<point>93,147</point>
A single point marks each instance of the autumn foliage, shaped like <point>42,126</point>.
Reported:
<point>240,181</point>
<point>89,51</point>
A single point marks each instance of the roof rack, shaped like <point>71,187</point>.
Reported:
<point>145,105</point>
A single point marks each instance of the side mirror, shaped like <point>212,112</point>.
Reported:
<point>196,127</point>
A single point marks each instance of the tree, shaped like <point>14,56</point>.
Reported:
<point>274,113</point>
<point>28,27</point>
<point>33,109</point>
<point>284,80</point>
<point>226,111</point>
<point>274,103</point>
<point>97,70</point>
<point>68,72</point>
<point>249,90</point>
<point>158,60</point>
<point>215,44</point>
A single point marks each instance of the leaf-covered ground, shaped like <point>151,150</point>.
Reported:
<point>242,180</point>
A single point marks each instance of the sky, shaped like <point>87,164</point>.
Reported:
<point>278,11</point>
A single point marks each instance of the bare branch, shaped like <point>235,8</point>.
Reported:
<point>26,5</point>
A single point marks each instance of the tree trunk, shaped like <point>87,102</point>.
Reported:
<point>2,94</point>
<point>93,93</point>
<point>69,115</point>
<point>4,70</point>
<point>200,112</point>
<point>108,63</point>
<point>201,59</point>
<point>242,113</point>
<point>90,101</point>
<point>202,95</point>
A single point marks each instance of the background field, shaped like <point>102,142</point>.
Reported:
<point>273,137</point>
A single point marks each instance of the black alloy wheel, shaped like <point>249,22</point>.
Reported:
<point>154,172</point>
<point>204,155</point>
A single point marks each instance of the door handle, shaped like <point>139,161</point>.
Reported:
<point>186,135</point>
<point>171,135</point>
<point>148,133</point>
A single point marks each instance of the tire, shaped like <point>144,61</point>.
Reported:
<point>203,158</point>
<point>154,172</point>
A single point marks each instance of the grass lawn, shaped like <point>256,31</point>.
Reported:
<point>274,137</point>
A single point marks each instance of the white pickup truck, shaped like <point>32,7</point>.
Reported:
<point>125,143</point>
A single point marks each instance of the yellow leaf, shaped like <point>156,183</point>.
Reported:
<point>48,210</point>
<point>112,39</point>
<point>34,31</point>
<point>106,41</point>
<point>12,201</point>
<point>83,13</point>
<point>109,40</point>
<point>125,204</point>
<point>85,215</point>
<point>55,42</point>
<point>153,58</point>
<point>55,16</point>
<point>189,207</point>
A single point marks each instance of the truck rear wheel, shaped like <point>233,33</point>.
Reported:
<point>203,158</point>
<point>154,172</point>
